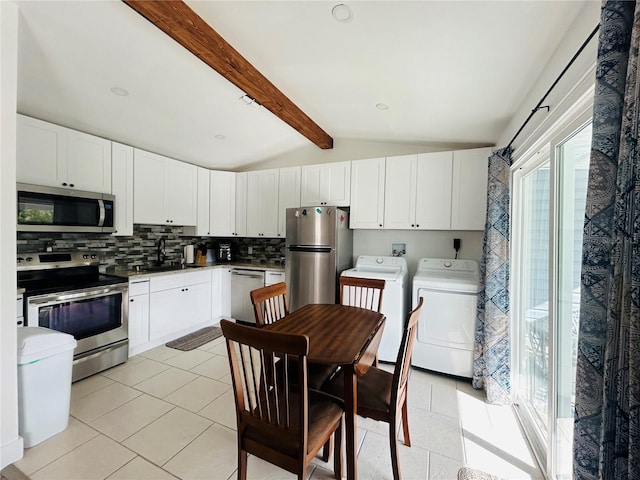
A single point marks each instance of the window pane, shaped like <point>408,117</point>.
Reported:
<point>535,294</point>
<point>573,170</point>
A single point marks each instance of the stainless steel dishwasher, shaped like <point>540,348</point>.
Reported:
<point>242,282</point>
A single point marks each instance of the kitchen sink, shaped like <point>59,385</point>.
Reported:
<point>162,268</point>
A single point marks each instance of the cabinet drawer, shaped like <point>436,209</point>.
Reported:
<point>19,311</point>
<point>197,276</point>
<point>138,288</point>
<point>166,282</point>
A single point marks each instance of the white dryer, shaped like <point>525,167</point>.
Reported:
<point>394,300</point>
<point>446,328</point>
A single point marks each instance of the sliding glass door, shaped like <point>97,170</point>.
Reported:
<point>549,192</point>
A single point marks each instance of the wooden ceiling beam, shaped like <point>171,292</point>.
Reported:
<point>187,28</point>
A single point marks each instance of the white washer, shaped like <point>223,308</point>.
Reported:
<point>394,300</point>
<point>446,328</point>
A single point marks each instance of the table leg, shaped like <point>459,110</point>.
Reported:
<point>351,408</point>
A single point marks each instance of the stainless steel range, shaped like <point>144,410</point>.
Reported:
<point>66,292</point>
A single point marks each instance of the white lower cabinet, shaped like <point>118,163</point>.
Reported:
<point>221,293</point>
<point>138,314</point>
<point>165,307</point>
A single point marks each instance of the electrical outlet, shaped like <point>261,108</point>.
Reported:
<point>250,250</point>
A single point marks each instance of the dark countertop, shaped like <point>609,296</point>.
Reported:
<point>177,269</point>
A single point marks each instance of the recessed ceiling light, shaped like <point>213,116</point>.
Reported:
<point>121,92</point>
<point>219,137</point>
<point>342,13</point>
<point>382,106</point>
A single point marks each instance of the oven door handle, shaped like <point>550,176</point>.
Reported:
<point>63,297</point>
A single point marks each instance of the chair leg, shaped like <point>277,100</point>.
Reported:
<point>337,454</point>
<point>393,443</point>
<point>405,424</point>
<point>242,464</point>
<point>326,450</point>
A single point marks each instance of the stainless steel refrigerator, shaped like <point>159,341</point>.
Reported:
<point>319,246</point>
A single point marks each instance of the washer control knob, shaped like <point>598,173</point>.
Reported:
<point>379,260</point>
<point>447,264</point>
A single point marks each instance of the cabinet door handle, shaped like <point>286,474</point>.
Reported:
<point>131,299</point>
<point>64,184</point>
<point>412,225</point>
<point>71,185</point>
<point>418,225</point>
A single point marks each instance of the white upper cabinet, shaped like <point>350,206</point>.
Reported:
<point>288,195</point>
<point>262,203</point>
<point>326,184</point>
<point>469,195</point>
<point>165,190</point>
<point>122,188</point>
<point>56,156</point>
<point>400,192</point>
<point>367,193</point>
<point>437,191</point>
<point>433,191</point>
<point>418,191</point>
<point>241,205</point>
<point>202,223</point>
<point>222,203</point>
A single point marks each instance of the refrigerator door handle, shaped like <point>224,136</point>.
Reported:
<point>310,248</point>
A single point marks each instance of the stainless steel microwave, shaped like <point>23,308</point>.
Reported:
<point>49,209</point>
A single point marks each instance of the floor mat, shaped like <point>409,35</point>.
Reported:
<point>195,339</point>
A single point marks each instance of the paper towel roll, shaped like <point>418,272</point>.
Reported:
<point>188,253</point>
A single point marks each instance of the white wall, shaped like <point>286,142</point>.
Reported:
<point>576,34</point>
<point>420,244</point>
<point>352,149</point>
<point>10,442</point>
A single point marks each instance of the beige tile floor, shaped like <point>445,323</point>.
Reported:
<point>168,414</point>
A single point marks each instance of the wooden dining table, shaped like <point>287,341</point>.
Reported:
<point>339,335</point>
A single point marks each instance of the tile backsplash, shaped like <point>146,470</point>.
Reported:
<point>140,248</point>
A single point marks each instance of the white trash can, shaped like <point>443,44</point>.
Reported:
<point>45,360</point>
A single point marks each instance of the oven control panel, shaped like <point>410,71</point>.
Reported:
<point>46,260</point>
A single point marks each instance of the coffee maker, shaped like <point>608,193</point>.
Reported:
<point>224,252</point>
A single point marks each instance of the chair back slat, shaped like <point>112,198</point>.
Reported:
<point>270,303</point>
<point>403,361</point>
<point>362,292</point>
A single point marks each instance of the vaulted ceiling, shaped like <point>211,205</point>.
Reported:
<point>446,71</point>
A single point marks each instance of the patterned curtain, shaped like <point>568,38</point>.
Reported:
<point>606,442</point>
<point>492,362</point>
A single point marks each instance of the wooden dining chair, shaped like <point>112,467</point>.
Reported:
<point>382,395</point>
<point>278,420</point>
<point>270,303</point>
<point>362,292</point>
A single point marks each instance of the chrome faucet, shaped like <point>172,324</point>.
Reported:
<point>161,251</point>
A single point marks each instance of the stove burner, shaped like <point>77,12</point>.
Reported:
<point>40,273</point>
